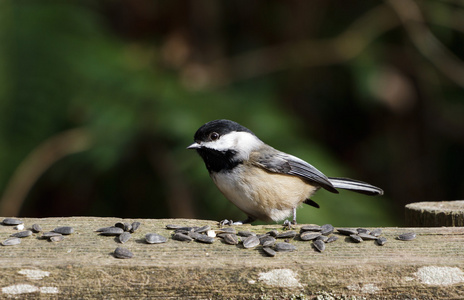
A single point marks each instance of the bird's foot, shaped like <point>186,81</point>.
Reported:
<point>288,225</point>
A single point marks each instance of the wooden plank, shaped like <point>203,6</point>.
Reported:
<point>434,214</point>
<point>82,265</point>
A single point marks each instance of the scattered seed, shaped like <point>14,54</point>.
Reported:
<point>66,230</point>
<point>201,237</point>
<point>11,241</point>
<point>170,226</point>
<point>186,229</point>
<point>181,237</point>
<point>230,239</point>
<point>111,231</point>
<point>362,230</point>
<point>119,225</point>
<point>154,238</point>
<point>226,230</point>
<point>381,241</point>
<point>269,251</point>
<point>409,236</point>
<point>322,238</point>
<point>36,228</point>
<point>203,229</point>
<point>356,238</point>
<point>246,233</point>
<point>11,222</point>
<point>124,237</point>
<point>309,235</point>
<point>327,229</point>
<point>284,247</point>
<point>319,245</point>
<point>56,238</point>
<point>122,253</point>
<point>22,234</point>
<point>267,241</point>
<point>134,226</point>
<point>310,228</point>
<point>331,239</point>
<point>49,234</point>
<point>251,242</point>
<point>286,234</point>
<point>376,232</point>
<point>273,233</point>
<point>102,229</point>
<point>366,236</point>
<point>347,231</point>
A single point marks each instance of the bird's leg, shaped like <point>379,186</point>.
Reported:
<point>230,222</point>
<point>294,216</point>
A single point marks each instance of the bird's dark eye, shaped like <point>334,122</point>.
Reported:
<point>213,136</point>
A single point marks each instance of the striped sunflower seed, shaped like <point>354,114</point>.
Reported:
<point>287,234</point>
<point>154,238</point>
<point>310,228</point>
<point>22,234</point>
<point>409,236</point>
<point>331,239</point>
<point>11,241</point>
<point>230,239</point>
<point>203,229</point>
<point>123,253</point>
<point>376,232</point>
<point>245,233</point>
<point>356,238</point>
<point>134,226</point>
<point>181,237</point>
<point>251,242</point>
<point>381,241</point>
<point>267,241</point>
<point>366,236</point>
<point>309,235</point>
<point>284,247</point>
<point>56,238</point>
<point>319,245</point>
<point>327,229</point>
<point>347,231</point>
<point>36,228</point>
<point>269,251</point>
<point>124,237</point>
<point>66,230</point>
<point>111,231</point>
<point>11,222</point>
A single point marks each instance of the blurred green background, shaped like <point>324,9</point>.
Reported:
<point>98,100</point>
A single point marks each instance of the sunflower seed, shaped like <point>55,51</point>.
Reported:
<point>124,237</point>
<point>251,242</point>
<point>36,228</point>
<point>119,225</point>
<point>319,245</point>
<point>203,238</point>
<point>230,239</point>
<point>269,251</point>
<point>356,238</point>
<point>22,234</point>
<point>246,233</point>
<point>134,226</point>
<point>111,231</point>
<point>309,235</point>
<point>203,229</point>
<point>327,229</point>
<point>49,234</point>
<point>103,229</point>
<point>181,237</point>
<point>11,221</point>
<point>331,239</point>
<point>322,238</point>
<point>273,233</point>
<point>376,232</point>
<point>11,241</point>
<point>173,226</point>
<point>310,228</point>
<point>154,238</point>
<point>347,231</point>
<point>226,230</point>
<point>66,230</point>
<point>284,247</point>
<point>381,241</point>
<point>122,253</point>
<point>362,230</point>
<point>127,226</point>
<point>186,228</point>
<point>366,236</point>
<point>286,234</point>
<point>56,238</point>
<point>409,236</point>
<point>267,241</point>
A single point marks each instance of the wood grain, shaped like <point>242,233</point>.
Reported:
<point>82,266</point>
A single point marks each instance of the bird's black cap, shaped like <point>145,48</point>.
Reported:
<point>220,126</point>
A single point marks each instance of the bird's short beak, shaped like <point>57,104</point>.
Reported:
<point>194,146</point>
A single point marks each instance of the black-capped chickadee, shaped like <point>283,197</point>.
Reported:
<point>263,182</point>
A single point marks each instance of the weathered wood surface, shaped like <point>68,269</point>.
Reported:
<point>82,265</point>
<point>434,214</point>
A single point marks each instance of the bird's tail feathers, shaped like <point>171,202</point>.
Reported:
<point>356,186</point>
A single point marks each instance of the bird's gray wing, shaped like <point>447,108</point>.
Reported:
<point>283,163</point>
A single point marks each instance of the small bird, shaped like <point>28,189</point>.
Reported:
<point>263,182</point>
